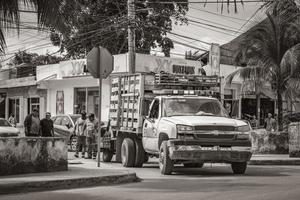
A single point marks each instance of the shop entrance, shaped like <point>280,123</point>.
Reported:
<point>249,108</point>
<point>2,105</point>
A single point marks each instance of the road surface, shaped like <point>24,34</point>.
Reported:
<point>209,183</point>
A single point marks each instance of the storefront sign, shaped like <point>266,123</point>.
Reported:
<point>72,68</point>
<point>59,102</point>
<point>214,59</point>
<point>149,63</point>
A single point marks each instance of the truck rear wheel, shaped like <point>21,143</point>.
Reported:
<point>165,163</point>
<point>139,153</point>
<point>107,155</point>
<point>239,167</point>
<point>128,152</point>
<point>193,165</point>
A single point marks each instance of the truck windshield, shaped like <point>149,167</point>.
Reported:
<point>192,106</point>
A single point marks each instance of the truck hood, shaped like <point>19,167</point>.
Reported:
<point>204,120</point>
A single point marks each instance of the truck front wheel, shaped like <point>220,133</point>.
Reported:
<point>165,163</point>
<point>128,152</point>
<point>239,167</point>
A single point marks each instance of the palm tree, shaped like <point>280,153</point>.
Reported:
<point>274,46</point>
<point>48,14</point>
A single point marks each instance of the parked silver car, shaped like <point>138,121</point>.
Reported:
<point>7,130</point>
<point>64,127</point>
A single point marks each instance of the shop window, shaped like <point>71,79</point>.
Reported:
<point>86,99</point>
<point>33,103</point>
<point>14,108</point>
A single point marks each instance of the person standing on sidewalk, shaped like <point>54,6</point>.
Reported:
<point>90,129</point>
<point>81,138</point>
<point>270,123</point>
<point>46,126</point>
<point>12,120</point>
<point>32,124</point>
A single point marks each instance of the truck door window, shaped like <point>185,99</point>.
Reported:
<point>154,110</point>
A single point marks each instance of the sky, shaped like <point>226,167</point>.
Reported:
<point>210,25</point>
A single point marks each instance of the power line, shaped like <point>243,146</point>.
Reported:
<point>198,2</point>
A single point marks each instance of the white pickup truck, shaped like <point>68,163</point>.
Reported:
<point>194,130</point>
<point>182,128</point>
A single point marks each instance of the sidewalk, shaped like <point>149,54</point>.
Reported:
<point>77,176</point>
<point>273,159</point>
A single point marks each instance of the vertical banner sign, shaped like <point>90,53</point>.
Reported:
<point>59,102</point>
<point>214,59</point>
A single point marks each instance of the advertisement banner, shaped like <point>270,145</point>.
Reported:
<point>59,102</point>
<point>214,59</point>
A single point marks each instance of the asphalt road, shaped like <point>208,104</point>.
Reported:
<point>209,183</point>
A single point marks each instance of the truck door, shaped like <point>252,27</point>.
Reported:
<point>150,134</point>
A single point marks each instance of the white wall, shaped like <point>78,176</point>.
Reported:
<point>68,85</point>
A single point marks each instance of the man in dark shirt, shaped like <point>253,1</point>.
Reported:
<point>46,125</point>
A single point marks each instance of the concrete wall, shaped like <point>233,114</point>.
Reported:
<point>294,139</point>
<point>29,155</point>
<point>269,143</point>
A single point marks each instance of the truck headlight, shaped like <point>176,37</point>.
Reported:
<point>184,128</point>
<point>244,128</point>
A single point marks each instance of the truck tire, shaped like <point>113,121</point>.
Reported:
<point>165,163</point>
<point>139,153</point>
<point>107,155</point>
<point>239,167</point>
<point>193,165</point>
<point>128,152</point>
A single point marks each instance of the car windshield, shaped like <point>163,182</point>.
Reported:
<point>74,118</point>
<point>4,122</point>
<point>192,106</point>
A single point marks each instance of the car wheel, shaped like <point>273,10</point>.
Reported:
<point>165,163</point>
<point>239,167</point>
<point>107,155</point>
<point>73,143</point>
<point>128,152</point>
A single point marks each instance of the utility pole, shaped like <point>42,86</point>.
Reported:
<point>131,36</point>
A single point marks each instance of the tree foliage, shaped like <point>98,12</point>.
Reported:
<point>49,14</point>
<point>34,58</point>
<point>105,23</point>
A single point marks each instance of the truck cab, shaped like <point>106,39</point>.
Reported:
<point>193,130</point>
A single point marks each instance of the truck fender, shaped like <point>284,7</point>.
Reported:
<point>162,137</point>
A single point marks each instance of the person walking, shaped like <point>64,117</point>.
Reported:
<point>46,126</point>
<point>270,123</point>
<point>81,138</point>
<point>90,129</point>
<point>32,124</point>
<point>254,122</point>
<point>12,120</point>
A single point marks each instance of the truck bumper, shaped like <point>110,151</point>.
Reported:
<point>200,153</point>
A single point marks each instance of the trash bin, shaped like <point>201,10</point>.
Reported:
<point>294,139</point>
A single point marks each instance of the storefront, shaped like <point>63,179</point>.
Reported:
<point>70,89</point>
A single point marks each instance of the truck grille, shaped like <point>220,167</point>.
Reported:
<point>214,128</point>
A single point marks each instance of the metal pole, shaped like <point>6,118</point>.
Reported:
<point>131,36</point>
<point>99,119</point>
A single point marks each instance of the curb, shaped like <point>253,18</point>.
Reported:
<point>20,187</point>
<point>274,162</point>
